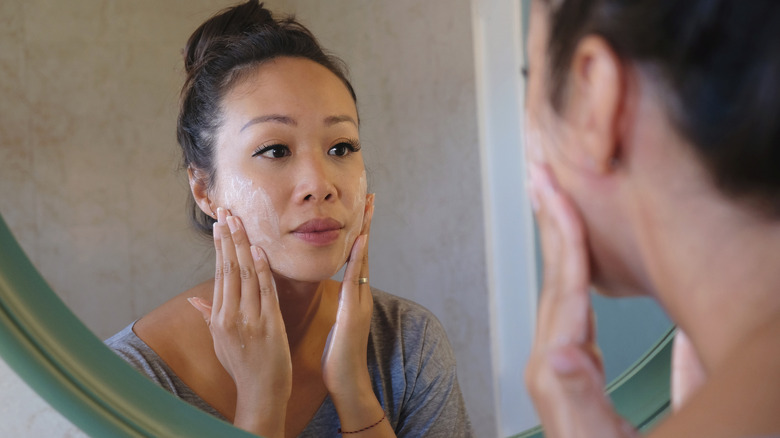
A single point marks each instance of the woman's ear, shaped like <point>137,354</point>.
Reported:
<point>595,100</point>
<point>199,186</point>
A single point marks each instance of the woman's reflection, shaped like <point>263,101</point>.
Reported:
<point>268,127</point>
<point>655,156</point>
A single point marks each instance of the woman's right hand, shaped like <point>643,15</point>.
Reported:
<point>565,376</point>
<point>246,325</point>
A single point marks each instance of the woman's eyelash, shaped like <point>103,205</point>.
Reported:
<point>344,148</point>
<point>280,150</point>
<point>352,144</point>
<point>262,150</point>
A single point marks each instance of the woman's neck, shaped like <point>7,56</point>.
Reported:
<point>301,303</point>
<point>714,267</point>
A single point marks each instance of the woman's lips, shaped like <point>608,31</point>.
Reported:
<point>319,232</point>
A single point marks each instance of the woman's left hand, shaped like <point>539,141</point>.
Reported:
<point>565,376</point>
<point>344,366</point>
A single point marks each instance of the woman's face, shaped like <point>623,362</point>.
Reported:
<point>552,139</point>
<point>288,164</point>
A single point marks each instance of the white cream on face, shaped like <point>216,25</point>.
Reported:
<point>359,204</point>
<point>262,224</point>
<point>254,206</point>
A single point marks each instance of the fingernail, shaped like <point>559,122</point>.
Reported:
<point>545,181</point>
<point>232,224</point>
<point>197,302</point>
<point>562,363</point>
<point>221,214</point>
<point>255,252</point>
<point>532,186</point>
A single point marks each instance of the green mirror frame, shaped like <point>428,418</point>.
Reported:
<point>69,367</point>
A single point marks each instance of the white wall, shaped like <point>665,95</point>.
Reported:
<point>24,414</point>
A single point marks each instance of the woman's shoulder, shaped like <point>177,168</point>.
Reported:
<point>387,303</point>
<point>410,353</point>
<point>402,313</point>
<point>401,320</point>
<point>176,331</point>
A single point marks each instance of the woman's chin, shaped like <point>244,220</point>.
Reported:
<point>312,274</point>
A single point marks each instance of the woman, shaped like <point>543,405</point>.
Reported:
<point>655,157</point>
<point>269,131</point>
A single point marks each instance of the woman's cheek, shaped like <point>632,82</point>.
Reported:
<point>358,213</point>
<point>256,210</point>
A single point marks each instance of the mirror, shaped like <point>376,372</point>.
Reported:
<point>88,168</point>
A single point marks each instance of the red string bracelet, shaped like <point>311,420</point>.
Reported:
<point>365,428</point>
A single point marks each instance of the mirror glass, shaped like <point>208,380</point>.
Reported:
<point>92,190</point>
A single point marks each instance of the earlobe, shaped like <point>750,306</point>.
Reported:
<point>596,99</point>
<point>199,188</point>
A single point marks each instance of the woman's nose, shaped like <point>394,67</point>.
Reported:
<point>314,181</point>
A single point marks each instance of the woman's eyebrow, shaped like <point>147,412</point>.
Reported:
<point>276,118</point>
<point>333,120</point>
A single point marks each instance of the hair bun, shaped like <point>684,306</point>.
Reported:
<point>230,22</point>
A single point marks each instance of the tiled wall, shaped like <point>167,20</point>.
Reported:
<point>88,158</point>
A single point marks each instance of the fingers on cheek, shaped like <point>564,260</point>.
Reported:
<point>215,231</point>
<point>361,246</point>
<point>354,253</point>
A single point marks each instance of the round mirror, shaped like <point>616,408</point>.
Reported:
<point>90,189</point>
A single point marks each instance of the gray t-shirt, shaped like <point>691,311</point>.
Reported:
<point>410,361</point>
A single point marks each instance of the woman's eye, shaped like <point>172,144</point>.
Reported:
<point>342,149</point>
<point>274,151</point>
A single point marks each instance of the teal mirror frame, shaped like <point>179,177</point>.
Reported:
<point>69,367</point>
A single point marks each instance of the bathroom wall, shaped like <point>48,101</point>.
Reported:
<point>88,164</point>
<point>88,159</point>
<point>24,414</point>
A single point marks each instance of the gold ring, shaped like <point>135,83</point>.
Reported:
<point>362,280</point>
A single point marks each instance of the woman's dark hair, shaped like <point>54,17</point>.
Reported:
<point>218,55</point>
<point>720,60</point>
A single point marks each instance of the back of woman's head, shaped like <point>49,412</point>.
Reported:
<point>218,55</point>
<point>720,62</point>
